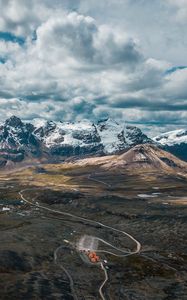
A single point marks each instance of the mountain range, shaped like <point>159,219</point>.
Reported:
<point>56,141</point>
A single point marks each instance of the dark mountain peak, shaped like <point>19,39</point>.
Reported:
<point>102,120</point>
<point>149,156</point>
<point>108,121</point>
<point>50,124</point>
<point>14,121</point>
<point>145,148</point>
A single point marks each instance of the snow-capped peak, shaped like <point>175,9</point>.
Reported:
<point>106,135</point>
<point>172,137</point>
<point>14,121</point>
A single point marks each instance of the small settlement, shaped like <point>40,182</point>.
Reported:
<point>93,257</point>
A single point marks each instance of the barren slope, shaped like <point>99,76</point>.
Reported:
<point>145,157</point>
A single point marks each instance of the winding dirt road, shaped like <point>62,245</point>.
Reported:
<point>88,221</point>
<point>66,272</point>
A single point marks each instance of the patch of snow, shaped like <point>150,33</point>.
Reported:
<point>146,196</point>
<point>5,209</point>
<point>53,138</point>
<point>109,132</point>
<point>80,126</point>
<point>140,156</point>
<point>21,214</point>
<point>64,133</point>
<point>39,122</point>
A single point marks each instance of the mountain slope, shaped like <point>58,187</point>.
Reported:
<point>139,158</point>
<point>174,142</point>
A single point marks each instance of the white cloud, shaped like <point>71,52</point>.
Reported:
<point>8,49</point>
<point>22,17</point>
<point>80,68</point>
<point>72,57</point>
<point>80,38</point>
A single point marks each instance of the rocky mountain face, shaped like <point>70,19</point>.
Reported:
<point>19,140</point>
<point>175,142</point>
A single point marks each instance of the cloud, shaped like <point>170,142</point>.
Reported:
<point>181,5</point>
<point>96,45</point>
<point>22,17</point>
<point>70,57</point>
<point>154,23</point>
<point>72,66</point>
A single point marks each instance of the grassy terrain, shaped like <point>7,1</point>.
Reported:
<point>29,236</point>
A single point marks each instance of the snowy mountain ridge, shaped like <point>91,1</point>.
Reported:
<point>175,142</point>
<point>106,134</point>
<point>58,140</point>
<point>172,137</point>
<point>19,139</point>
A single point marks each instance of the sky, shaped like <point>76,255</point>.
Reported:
<point>70,60</point>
